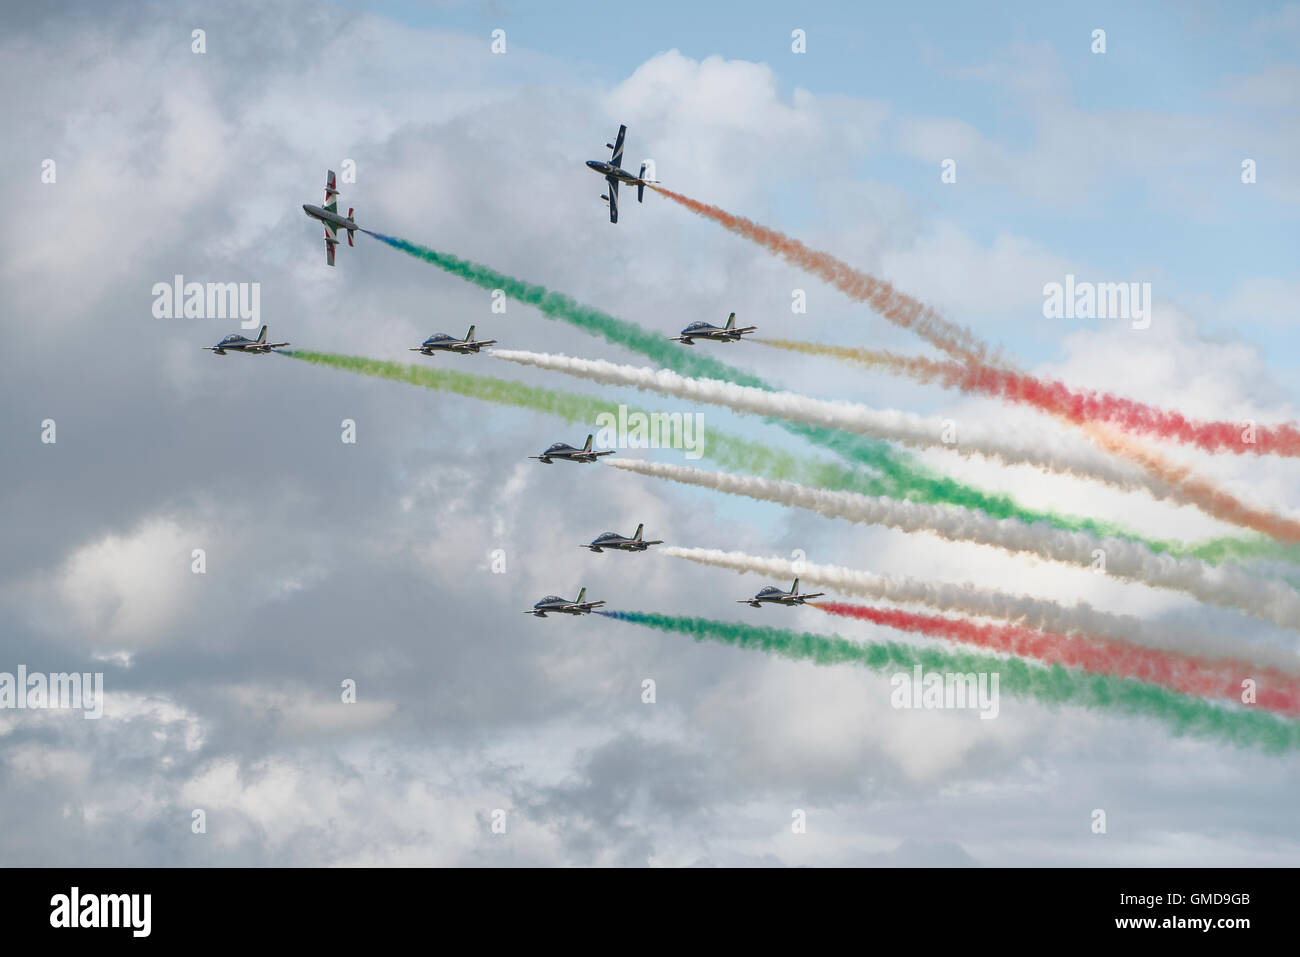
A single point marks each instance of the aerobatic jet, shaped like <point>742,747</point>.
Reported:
<point>614,174</point>
<point>330,218</point>
<point>567,453</point>
<point>441,342</point>
<point>554,604</point>
<point>775,596</point>
<point>237,343</point>
<point>617,542</point>
<point>705,330</point>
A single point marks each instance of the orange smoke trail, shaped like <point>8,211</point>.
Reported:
<point>917,367</point>
<point>898,307</point>
<point>1191,488</point>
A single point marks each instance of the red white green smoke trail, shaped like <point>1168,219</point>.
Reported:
<point>1187,674</point>
<point>1053,685</point>
<point>899,476</point>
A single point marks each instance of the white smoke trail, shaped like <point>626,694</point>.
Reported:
<point>1054,450</point>
<point>1228,586</point>
<point>1077,619</point>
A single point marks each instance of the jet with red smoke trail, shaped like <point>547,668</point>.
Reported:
<point>614,173</point>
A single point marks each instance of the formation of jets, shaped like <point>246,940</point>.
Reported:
<point>705,330</point>
<point>620,543</point>
<point>772,595</point>
<point>441,342</point>
<point>567,453</point>
<point>614,173</point>
<point>330,218</point>
<point>237,343</point>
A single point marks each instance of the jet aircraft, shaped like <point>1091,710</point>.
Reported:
<point>442,342</point>
<point>614,174</point>
<point>617,542</point>
<point>555,605</point>
<point>705,330</point>
<point>567,453</point>
<point>237,343</point>
<point>330,218</point>
<point>775,596</point>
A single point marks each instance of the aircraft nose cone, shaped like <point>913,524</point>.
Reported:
<point>592,164</point>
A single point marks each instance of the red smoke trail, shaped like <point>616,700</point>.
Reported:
<point>1204,677</point>
<point>1083,405</point>
<point>986,372</point>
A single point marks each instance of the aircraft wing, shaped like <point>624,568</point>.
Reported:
<point>471,346</point>
<point>617,158</point>
<point>585,606</point>
<point>816,594</point>
<point>680,339</point>
<point>613,199</point>
<point>329,253</point>
<point>275,345</point>
<point>742,331</point>
<point>658,541</point>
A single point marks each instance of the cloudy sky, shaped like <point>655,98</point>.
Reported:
<point>373,561</point>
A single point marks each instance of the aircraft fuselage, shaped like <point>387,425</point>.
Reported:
<point>610,171</point>
<point>325,216</point>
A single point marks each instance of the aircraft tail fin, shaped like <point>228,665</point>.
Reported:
<point>640,187</point>
<point>794,589</point>
<point>731,321</point>
<point>261,337</point>
<point>469,336</point>
<point>582,593</point>
<point>639,529</point>
<point>587,447</point>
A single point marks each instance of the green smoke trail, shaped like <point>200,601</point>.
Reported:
<point>1054,685</point>
<point>730,451</point>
